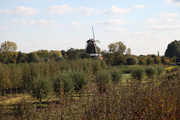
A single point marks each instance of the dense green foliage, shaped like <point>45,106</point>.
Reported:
<point>116,75</point>
<point>160,70</point>
<point>40,87</point>
<point>173,49</point>
<point>151,72</point>
<point>66,79</point>
<point>138,73</point>
<point>132,61</point>
<point>80,80</point>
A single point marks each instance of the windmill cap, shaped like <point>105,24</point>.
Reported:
<point>90,40</point>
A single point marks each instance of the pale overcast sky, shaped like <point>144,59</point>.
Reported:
<point>145,26</point>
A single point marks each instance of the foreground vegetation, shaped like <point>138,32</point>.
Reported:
<point>88,89</point>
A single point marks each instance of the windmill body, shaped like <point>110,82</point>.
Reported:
<point>91,47</point>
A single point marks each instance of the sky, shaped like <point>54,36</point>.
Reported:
<point>144,26</point>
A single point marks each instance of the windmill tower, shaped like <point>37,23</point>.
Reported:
<point>91,47</point>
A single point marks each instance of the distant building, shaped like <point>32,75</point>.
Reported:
<point>91,48</point>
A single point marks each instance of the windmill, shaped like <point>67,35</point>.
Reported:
<point>91,47</point>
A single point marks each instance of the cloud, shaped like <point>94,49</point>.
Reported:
<point>32,22</point>
<point>155,37</point>
<point>169,20</point>
<point>136,33</point>
<point>177,2</point>
<point>114,10</point>
<point>64,9</point>
<point>168,2</point>
<point>114,30</point>
<point>21,10</point>
<point>75,24</point>
<point>76,28</point>
<point>88,11</point>
<point>160,28</point>
<point>164,14</point>
<point>4,28</point>
<point>139,6</point>
<point>50,26</point>
<point>115,22</point>
<point>150,21</point>
<point>60,9</point>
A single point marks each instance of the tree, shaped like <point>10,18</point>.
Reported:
<point>132,61</point>
<point>40,87</point>
<point>85,55</point>
<point>119,59</point>
<point>157,60</point>
<point>8,57</point>
<point>42,53</point>
<point>173,49</point>
<point>128,51</point>
<point>32,57</point>
<point>22,57</point>
<point>55,54</point>
<point>118,47</point>
<point>99,50</point>
<point>63,52</point>
<point>164,60</point>
<point>142,61</point>
<point>149,60</point>
<point>8,46</point>
<point>72,53</point>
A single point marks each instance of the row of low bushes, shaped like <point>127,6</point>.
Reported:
<point>68,81</point>
<point>150,72</point>
<point>40,79</point>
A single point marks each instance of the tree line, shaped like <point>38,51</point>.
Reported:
<point>118,54</point>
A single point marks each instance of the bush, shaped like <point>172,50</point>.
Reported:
<point>116,75</point>
<point>96,66</point>
<point>151,72</point>
<point>138,73</point>
<point>66,80</point>
<point>132,61</point>
<point>40,87</point>
<point>160,70</point>
<point>79,79</point>
<point>103,77</point>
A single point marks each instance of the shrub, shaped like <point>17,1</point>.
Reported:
<point>40,87</point>
<point>24,109</point>
<point>66,80</point>
<point>116,75</point>
<point>103,77</point>
<point>160,70</point>
<point>138,73</point>
<point>96,66</point>
<point>151,72</point>
<point>103,64</point>
<point>79,79</point>
<point>132,61</point>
